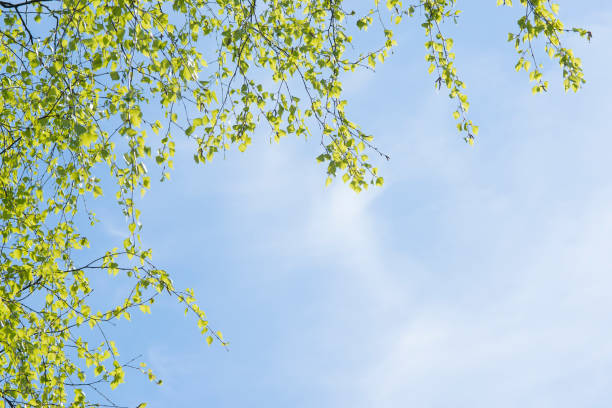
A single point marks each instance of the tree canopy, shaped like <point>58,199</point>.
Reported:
<point>78,83</point>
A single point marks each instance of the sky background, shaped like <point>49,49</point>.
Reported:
<point>476,277</point>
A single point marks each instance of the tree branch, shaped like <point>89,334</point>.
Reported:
<point>6,4</point>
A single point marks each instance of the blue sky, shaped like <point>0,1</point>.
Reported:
<point>475,277</point>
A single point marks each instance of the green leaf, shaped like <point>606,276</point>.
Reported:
<point>97,191</point>
<point>86,138</point>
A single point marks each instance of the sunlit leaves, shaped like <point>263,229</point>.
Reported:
<point>100,90</point>
<point>541,22</point>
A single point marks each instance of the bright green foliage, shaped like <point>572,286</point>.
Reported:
<point>77,79</point>
<point>540,21</point>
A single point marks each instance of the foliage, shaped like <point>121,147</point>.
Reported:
<point>76,80</point>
